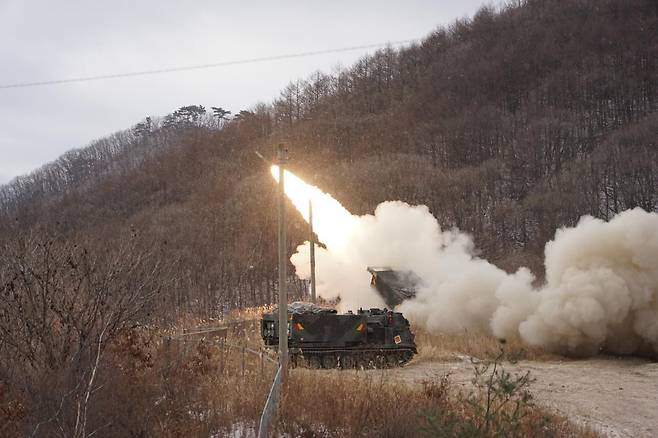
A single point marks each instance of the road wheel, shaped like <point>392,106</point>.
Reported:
<point>371,361</point>
<point>314,361</point>
<point>329,361</point>
<point>347,362</point>
<point>380,361</point>
<point>392,360</point>
<point>405,357</point>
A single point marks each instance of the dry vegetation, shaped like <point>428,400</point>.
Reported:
<point>447,347</point>
<point>508,125</point>
<point>354,404</point>
<point>160,383</point>
<point>176,388</point>
<point>106,249</point>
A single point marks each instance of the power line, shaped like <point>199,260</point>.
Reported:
<point>202,66</point>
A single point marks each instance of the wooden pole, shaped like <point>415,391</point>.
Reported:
<point>282,158</point>
<point>242,368</point>
<point>262,363</point>
<point>312,243</point>
<point>223,355</point>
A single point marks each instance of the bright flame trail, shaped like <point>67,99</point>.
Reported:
<point>600,292</point>
<point>332,222</point>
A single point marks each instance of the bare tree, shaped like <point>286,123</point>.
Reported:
<point>63,303</point>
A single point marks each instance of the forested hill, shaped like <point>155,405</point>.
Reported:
<point>507,125</point>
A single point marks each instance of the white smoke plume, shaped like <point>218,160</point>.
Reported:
<point>600,292</point>
<point>601,289</point>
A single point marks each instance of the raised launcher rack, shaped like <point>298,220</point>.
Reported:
<point>321,338</point>
<point>394,286</point>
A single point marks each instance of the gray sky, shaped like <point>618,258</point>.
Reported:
<point>43,40</point>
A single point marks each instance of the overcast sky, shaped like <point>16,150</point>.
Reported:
<point>44,40</point>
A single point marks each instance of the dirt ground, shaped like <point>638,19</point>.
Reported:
<point>617,397</point>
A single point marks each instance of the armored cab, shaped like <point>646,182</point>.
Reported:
<point>394,286</point>
<point>319,337</point>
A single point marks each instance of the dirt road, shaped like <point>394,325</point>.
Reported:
<point>614,396</point>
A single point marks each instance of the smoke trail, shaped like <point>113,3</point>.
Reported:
<point>601,288</point>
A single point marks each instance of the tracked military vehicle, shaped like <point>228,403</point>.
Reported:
<point>319,337</point>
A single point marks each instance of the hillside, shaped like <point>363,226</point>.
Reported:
<point>507,125</point>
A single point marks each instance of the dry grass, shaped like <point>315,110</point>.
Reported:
<point>209,393</point>
<point>193,387</point>
<point>334,404</point>
<point>450,347</point>
<point>196,389</point>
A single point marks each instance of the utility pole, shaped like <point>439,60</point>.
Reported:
<point>282,159</point>
<point>312,243</point>
<point>279,379</point>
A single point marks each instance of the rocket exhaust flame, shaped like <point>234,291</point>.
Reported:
<point>601,289</point>
<point>332,222</point>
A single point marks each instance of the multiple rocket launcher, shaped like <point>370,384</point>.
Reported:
<point>393,286</point>
<point>321,338</point>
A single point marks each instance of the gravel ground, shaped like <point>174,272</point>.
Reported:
<point>618,397</point>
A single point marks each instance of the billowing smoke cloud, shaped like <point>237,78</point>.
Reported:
<point>601,288</point>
